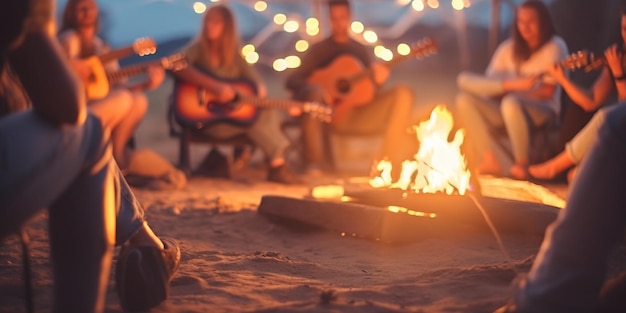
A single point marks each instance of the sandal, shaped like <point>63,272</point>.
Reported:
<point>143,275</point>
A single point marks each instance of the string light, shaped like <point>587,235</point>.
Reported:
<point>433,3</point>
<point>457,5</point>
<point>418,5</point>
<point>280,19</point>
<point>293,61</point>
<point>404,49</point>
<point>280,65</point>
<point>357,27</point>
<point>403,2</point>
<point>252,57</point>
<point>199,7</point>
<point>370,36</point>
<point>291,26</point>
<point>260,6</point>
<point>249,48</point>
<point>302,45</point>
<point>467,3</point>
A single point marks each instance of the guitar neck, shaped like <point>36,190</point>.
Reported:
<point>116,54</point>
<point>129,71</point>
<point>268,103</point>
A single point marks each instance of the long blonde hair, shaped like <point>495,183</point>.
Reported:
<point>227,45</point>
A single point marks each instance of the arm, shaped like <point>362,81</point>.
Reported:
<point>588,100</point>
<point>55,91</point>
<point>190,74</point>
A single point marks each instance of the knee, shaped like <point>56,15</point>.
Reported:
<point>511,107</point>
<point>139,104</point>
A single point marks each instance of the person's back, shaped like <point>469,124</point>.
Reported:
<point>55,156</point>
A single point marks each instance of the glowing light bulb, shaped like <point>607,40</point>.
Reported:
<point>302,45</point>
<point>280,65</point>
<point>370,36</point>
<point>312,23</point>
<point>457,5</point>
<point>418,5</point>
<point>312,31</point>
<point>293,61</point>
<point>403,49</point>
<point>249,48</point>
<point>433,3</point>
<point>403,2</point>
<point>280,19</point>
<point>357,27</point>
<point>252,57</point>
<point>291,26</point>
<point>260,6</point>
<point>199,7</point>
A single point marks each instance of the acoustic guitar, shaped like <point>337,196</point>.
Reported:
<point>96,84</point>
<point>349,83</point>
<point>195,106</point>
<point>588,61</point>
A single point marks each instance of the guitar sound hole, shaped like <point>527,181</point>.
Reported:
<point>343,86</point>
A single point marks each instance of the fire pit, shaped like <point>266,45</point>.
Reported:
<point>434,194</point>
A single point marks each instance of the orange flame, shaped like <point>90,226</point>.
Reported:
<point>439,165</point>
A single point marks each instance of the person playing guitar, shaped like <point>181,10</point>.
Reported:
<point>386,111</point>
<point>125,105</point>
<point>611,78</point>
<point>214,63</point>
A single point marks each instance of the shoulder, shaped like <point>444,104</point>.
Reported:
<point>506,45</point>
<point>557,43</point>
<point>555,46</point>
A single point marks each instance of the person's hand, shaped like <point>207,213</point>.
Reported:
<point>225,92</point>
<point>614,60</point>
<point>155,75</point>
<point>380,73</point>
<point>556,71</point>
<point>81,69</point>
<point>294,110</point>
<point>524,83</point>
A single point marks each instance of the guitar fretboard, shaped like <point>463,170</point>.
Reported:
<point>116,54</point>
<point>269,103</point>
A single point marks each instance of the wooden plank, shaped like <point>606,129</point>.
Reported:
<point>358,220</point>
<point>506,215</point>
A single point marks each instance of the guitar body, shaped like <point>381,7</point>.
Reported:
<point>195,106</point>
<point>335,79</point>
<point>97,83</point>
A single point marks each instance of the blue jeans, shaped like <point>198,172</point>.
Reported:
<point>39,163</point>
<point>572,263</point>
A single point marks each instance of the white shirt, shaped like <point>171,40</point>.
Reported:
<point>503,66</point>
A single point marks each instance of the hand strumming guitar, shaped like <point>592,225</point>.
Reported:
<point>613,57</point>
<point>224,92</point>
<point>557,72</point>
<point>380,73</point>
<point>155,75</point>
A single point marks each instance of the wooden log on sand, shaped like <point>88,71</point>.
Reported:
<point>372,219</point>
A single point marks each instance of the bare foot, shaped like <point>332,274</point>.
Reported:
<point>542,171</point>
<point>519,171</point>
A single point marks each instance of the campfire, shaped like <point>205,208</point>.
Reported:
<point>438,166</point>
<point>429,198</point>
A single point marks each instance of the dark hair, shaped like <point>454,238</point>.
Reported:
<point>521,50</point>
<point>332,3</point>
<point>68,20</point>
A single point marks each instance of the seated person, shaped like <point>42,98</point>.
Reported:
<point>512,93</point>
<point>572,264</point>
<point>389,112</point>
<point>56,155</point>
<point>215,61</point>
<point>125,105</point>
<point>612,77</point>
